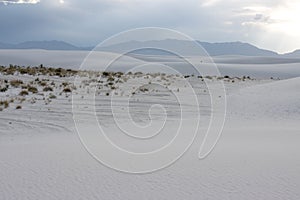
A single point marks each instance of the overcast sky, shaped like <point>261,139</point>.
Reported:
<point>270,24</point>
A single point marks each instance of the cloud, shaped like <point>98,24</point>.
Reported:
<point>19,1</point>
<point>88,22</point>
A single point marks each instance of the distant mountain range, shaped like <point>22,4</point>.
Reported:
<point>186,47</point>
<point>46,45</point>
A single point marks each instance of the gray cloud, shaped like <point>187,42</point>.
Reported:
<point>5,2</point>
<point>89,22</point>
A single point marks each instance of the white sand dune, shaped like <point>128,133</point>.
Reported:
<point>41,156</point>
<point>277,101</point>
<point>259,67</point>
<point>65,59</point>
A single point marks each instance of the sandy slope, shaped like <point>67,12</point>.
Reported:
<point>277,101</point>
<point>257,157</point>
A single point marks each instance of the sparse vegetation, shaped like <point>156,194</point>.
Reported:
<point>105,73</point>
<point>67,90</point>
<point>4,89</point>
<point>64,84</point>
<point>23,93</point>
<point>143,89</point>
<point>52,96</point>
<point>18,107</point>
<point>33,90</point>
<point>37,70</point>
<point>5,104</point>
<point>16,83</point>
<point>48,89</point>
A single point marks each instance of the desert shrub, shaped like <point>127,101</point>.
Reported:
<point>19,107</point>
<point>23,93</point>
<point>52,96</point>
<point>110,78</point>
<point>21,100</point>
<point>16,83</point>
<point>4,89</point>
<point>67,90</point>
<point>105,73</point>
<point>48,89</point>
<point>24,87</point>
<point>24,71</point>
<point>42,83</point>
<point>65,84</point>
<point>138,73</point>
<point>144,89</point>
<point>119,74</point>
<point>33,89</point>
<point>4,103</point>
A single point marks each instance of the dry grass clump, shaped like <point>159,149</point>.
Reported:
<point>18,107</point>
<point>23,93</point>
<point>33,90</point>
<point>106,73</point>
<point>16,83</point>
<point>52,96</point>
<point>42,83</point>
<point>67,90</point>
<point>143,89</point>
<point>37,70</point>
<point>65,84</point>
<point>110,79</point>
<point>112,74</point>
<point>48,89</point>
<point>4,89</point>
<point>5,103</point>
